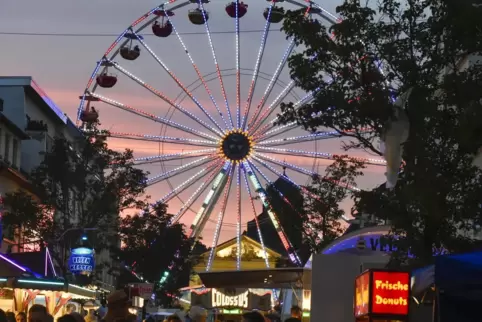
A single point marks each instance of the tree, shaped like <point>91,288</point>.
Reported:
<point>378,53</point>
<point>322,214</point>
<point>80,184</point>
<point>157,251</point>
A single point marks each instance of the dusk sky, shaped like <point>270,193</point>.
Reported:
<point>62,65</point>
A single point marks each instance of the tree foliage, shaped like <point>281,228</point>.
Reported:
<point>152,247</point>
<point>80,184</point>
<point>322,213</point>
<point>377,52</point>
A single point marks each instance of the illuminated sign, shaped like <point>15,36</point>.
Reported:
<point>231,298</point>
<point>222,300</point>
<point>382,293</point>
<point>82,261</point>
<point>362,294</point>
<point>390,293</point>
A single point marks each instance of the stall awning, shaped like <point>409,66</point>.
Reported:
<point>265,278</point>
<point>10,268</point>
<point>452,273</point>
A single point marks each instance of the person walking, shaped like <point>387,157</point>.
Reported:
<point>118,308</point>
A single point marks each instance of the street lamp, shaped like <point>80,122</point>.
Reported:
<point>82,256</point>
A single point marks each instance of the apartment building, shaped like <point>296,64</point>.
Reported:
<point>29,122</point>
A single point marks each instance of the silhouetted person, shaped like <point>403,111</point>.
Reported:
<point>296,315</point>
<point>253,317</point>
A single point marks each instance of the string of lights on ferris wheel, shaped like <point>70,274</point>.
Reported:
<point>227,150</point>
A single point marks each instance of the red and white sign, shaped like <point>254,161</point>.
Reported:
<point>143,290</point>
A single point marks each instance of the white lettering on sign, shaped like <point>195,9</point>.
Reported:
<point>81,268</point>
<point>222,300</point>
<point>81,260</point>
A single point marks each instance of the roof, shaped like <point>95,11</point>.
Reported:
<point>249,240</point>
<point>265,278</point>
<point>12,127</point>
<point>39,262</point>
<point>10,268</point>
<point>33,90</point>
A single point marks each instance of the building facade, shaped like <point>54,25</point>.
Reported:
<point>29,122</point>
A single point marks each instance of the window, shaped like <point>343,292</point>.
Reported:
<point>7,147</point>
<point>15,152</point>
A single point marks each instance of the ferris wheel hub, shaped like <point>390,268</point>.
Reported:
<point>236,145</point>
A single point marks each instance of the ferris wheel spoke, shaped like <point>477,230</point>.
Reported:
<point>279,229</point>
<point>298,169</point>
<point>179,170</point>
<point>195,195</point>
<point>153,117</point>
<point>296,185</point>
<point>218,70</point>
<point>300,138</point>
<point>317,155</point>
<point>280,194</point>
<point>271,107</point>
<point>159,139</point>
<point>261,131</point>
<point>212,166</point>
<point>162,96</point>
<point>274,79</point>
<point>321,11</point>
<point>196,69</point>
<point>238,71</point>
<point>220,220</point>
<point>278,100</point>
<point>258,228</point>
<point>238,218</point>
<point>277,130</point>
<point>178,82</point>
<point>257,65</point>
<point>173,156</point>
<point>204,212</point>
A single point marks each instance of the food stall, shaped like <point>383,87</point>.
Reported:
<point>21,286</point>
<point>382,296</point>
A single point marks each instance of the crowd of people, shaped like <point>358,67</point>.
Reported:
<point>118,311</point>
<point>256,316</point>
<point>253,316</point>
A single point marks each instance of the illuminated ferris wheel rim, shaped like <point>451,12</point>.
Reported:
<point>232,150</point>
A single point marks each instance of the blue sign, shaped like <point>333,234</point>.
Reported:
<point>82,261</point>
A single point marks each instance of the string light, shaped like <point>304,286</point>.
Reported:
<point>178,82</point>
<point>196,69</point>
<point>163,97</point>
<point>275,77</point>
<point>154,117</point>
<point>213,52</point>
<point>257,65</point>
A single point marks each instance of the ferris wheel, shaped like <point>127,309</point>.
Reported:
<point>215,135</point>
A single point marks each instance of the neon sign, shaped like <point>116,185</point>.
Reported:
<point>222,300</point>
